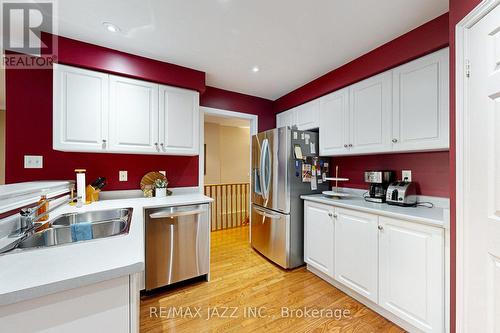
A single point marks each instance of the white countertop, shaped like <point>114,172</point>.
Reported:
<point>436,216</point>
<point>33,273</point>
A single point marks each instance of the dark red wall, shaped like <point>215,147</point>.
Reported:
<point>29,119</point>
<point>430,169</point>
<point>425,39</point>
<point>458,10</point>
<point>228,100</point>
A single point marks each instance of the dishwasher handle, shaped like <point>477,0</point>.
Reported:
<point>162,215</point>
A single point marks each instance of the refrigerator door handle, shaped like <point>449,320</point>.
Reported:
<point>264,174</point>
<point>265,214</point>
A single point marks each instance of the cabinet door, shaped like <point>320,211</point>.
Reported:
<point>133,116</point>
<point>80,116</point>
<point>179,121</point>
<point>371,115</point>
<point>421,103</point>
<point>286,118</point>
<point>356,251</point>
<point>411,261</point>
<point>334,123</point>
<point>308,115</point>
<point>319,231</point>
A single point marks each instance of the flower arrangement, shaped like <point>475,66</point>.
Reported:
<point>160,183</point>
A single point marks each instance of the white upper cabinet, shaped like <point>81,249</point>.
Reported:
<point>133,116</point>
<point>305,116</point>
<point>334,120</point>
<point>97,112</point>
<point>370,115</point>
<point>308,115</point>
<point>400,110</point>
<point>411,273</point>
<point>356,247</point>
<point>179,106</point>
<point>319,237</point>
<point>286,118</point>
<point>421,103</point>
<point>80,120</point>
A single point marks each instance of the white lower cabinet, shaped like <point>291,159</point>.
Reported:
<point>102,307</point>
<point>319,237</point>
<point>394,266</point>
<point>356,260</point>
<point>411,273</point>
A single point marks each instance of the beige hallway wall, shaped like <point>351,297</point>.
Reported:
<point>228,154</point>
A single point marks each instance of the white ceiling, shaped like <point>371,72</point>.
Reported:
<point>292,41</point>
<point>232,122</point>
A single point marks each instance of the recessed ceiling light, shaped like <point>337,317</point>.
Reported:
<point>111,27</point>
<point>255,69</point>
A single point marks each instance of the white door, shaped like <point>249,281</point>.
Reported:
<point>479,239</point>
<point>308,115</point>
<point>411,275</point>
<point>356,251</point>
<point>286,118</point>
<point>133,120</point>
<point>80,117</point>
<point>371,114</point>
<point>421,103</point>
<point>334,123</point>
<point>179,121</point>
<point>319,229</point>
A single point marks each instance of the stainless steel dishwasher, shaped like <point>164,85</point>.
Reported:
<point>177,244</point>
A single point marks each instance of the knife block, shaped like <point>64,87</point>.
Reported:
<point>92,194</point>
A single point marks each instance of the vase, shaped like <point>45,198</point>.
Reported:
<point>161,192</point>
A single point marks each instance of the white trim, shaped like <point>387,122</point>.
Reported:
<point>461,118</point>
<point>254,126</point>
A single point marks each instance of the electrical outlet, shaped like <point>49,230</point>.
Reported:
<point>33,162</point>
<point>163,173</point>
<point>123,176</point>
<point>406,175</point>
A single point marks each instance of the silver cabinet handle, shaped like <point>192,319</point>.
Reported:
<point>103,140</point>
<point>380,227</point>
<point>330,214</point>
<point>335,215</point>
<point>162,215</point>
<point>345,146</point>
<point>350,145</point>
<point>394,140</point>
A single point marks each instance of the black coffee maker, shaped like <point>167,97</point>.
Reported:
<point>379,181</point>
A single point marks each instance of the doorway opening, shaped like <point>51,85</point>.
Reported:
<point>225,165</point>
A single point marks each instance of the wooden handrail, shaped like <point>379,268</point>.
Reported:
<point>231,204</point>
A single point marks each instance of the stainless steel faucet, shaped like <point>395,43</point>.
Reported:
<point>29,215</point>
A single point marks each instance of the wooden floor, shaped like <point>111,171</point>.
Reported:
<point>241,279</point>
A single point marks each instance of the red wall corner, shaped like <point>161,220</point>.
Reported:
<point>233,101</point>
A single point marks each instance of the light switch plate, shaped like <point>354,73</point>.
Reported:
<point>33,162</point>
<point>123,176</point>
<point>406,175</point>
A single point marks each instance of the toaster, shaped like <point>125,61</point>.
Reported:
<point>401,194</point>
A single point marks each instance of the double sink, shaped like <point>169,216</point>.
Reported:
<point>104,223</point>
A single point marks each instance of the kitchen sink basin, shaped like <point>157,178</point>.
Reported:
<point>105,223</point>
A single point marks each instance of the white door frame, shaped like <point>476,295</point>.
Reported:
<point>254,126</point>
<point>462,115</point>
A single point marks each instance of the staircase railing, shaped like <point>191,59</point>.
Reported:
<point>231,204</point>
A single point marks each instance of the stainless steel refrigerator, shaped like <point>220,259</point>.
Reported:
<point>285,165</point>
